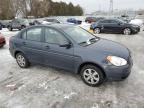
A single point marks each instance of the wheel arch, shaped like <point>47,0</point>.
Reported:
<point>17,51</point>
<point>127,27</point>
<point>91,63</point>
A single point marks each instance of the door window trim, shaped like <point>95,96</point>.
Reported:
<point>44,39</point>
<point>30,29</point>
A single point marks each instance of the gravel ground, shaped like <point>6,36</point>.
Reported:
<point>44,87</point>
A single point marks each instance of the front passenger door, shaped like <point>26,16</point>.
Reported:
<point>54,53</point>
<point>115,26</point>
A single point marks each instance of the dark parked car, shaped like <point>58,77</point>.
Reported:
<point>93,19</point>
<point>18,24</point>
<point>4,23</point>
<point>114,26</point>
<point>2,40</point>
<point>74,21</point>
<point>74,49</point>
<point>53,20</point>
<point>36,22</point>
<point>0,26</point>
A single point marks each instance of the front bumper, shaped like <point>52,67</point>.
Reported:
<point>136,30</point>
<point>114,73</point>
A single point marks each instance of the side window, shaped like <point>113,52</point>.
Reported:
<point>34,34</point>
<point>56,21</point>
<point>23,35</point>
<point>113,21</point>
<point>54,37</point>
<point>16,21</point>
<point>105,21</point>
<point>49,20</point>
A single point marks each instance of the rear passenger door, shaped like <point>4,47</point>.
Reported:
<point>54,54</point>
<point>32,45</point>
<point>105,26</point>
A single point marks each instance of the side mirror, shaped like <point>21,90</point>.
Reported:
<point>66,45</point>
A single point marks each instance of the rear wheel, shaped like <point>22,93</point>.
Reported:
<point>92,76</point>
<point>22,60</point>
<point>127,31</point>
<point>97,30</point>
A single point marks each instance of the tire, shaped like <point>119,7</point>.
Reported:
<point>127,31</point>
<point>22,61</point>
<point>22,27</point>
<point>10,29</point>
<point>92,76</point>
<point>97,31</point>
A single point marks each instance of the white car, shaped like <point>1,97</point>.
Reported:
<point>85,25</point>
<point>138,22</point>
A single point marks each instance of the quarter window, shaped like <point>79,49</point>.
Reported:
<point>34,34</point>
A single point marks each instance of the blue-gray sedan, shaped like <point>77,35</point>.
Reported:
<point>72,48</point>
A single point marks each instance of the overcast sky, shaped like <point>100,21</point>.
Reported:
<point>94,5</point>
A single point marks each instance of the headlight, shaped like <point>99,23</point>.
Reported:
<point>117,61</point>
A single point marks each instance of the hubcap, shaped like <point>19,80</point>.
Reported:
<point>127,31</point>
<point>21,60</point>
<point>97,31</point>
<point>91,76</point>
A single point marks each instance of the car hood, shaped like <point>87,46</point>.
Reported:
<point>133,25</point>
<point>107,47</point>
<point>137,22</point>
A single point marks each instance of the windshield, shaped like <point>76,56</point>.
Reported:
<point>121,21</point>
<point>81,36</point>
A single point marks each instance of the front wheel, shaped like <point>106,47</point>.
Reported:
<point>22,60</point>
<point>127,31</point>
<point>97,30</point>
<point>92,76</point>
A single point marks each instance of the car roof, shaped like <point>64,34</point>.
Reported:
<point>54,25</point>
<point>62,25</point>
<point>115,19</point>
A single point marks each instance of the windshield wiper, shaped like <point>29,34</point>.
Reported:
<point>94,39</point>
<point>83,43</point>
<point>89,42</point>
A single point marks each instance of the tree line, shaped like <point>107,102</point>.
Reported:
<point>38,8</point>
